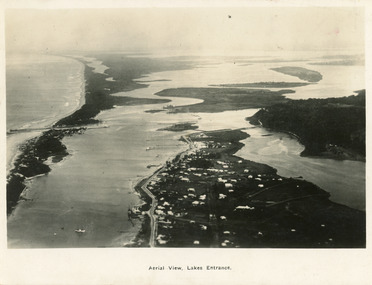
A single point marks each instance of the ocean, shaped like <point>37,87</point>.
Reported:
<point>40,89</point>
<point>92,188</point>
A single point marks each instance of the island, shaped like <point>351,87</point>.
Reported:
<point>300,72</point>
<point>180,127</point>
<point>225,99</point>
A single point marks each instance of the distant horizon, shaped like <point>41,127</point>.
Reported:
<point>187,30</point>
<point>173,53</point>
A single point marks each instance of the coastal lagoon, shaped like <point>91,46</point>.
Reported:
<point>92,188</point>
<point>345,180</point>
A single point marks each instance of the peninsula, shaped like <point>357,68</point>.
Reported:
<point>332,127</point>
<point>208,197</point>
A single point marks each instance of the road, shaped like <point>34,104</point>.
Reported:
<point>150,212</point>
<point>154,202</point>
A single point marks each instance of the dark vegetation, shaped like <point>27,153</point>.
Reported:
<point>241,203</point>
<point>333,127</point>
<point>300,72</point>
<point>125,69</point>
<point>225,99</point>
<point>180,127</point>
<point>31,161</point>
<point>98,98</point>
<point>154,111</point>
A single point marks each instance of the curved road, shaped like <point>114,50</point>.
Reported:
<point>154,202</point>
<point>150,212</point>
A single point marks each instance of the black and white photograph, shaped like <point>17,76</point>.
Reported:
<point>184,130</point>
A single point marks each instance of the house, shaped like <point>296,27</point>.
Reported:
<point>222,196</point>
<point>159,212</point>
<point>244,208</point>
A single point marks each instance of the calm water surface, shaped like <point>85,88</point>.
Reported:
<point>93,187</point>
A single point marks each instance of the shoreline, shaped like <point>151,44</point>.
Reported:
<point>94,99</point>
<point>97,97</point>
<point>17,145</point>
<point>332,128</point>
<point>150,202</point>
<point>306,200</point>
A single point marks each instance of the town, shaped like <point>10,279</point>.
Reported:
<point>208,197</point>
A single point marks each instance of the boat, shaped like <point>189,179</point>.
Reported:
<point>80,231</point>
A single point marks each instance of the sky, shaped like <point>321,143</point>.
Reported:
<point>221,30</point>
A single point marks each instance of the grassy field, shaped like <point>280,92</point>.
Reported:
<point>225,99</point>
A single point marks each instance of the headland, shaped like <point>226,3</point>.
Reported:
<point>332,127</point>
